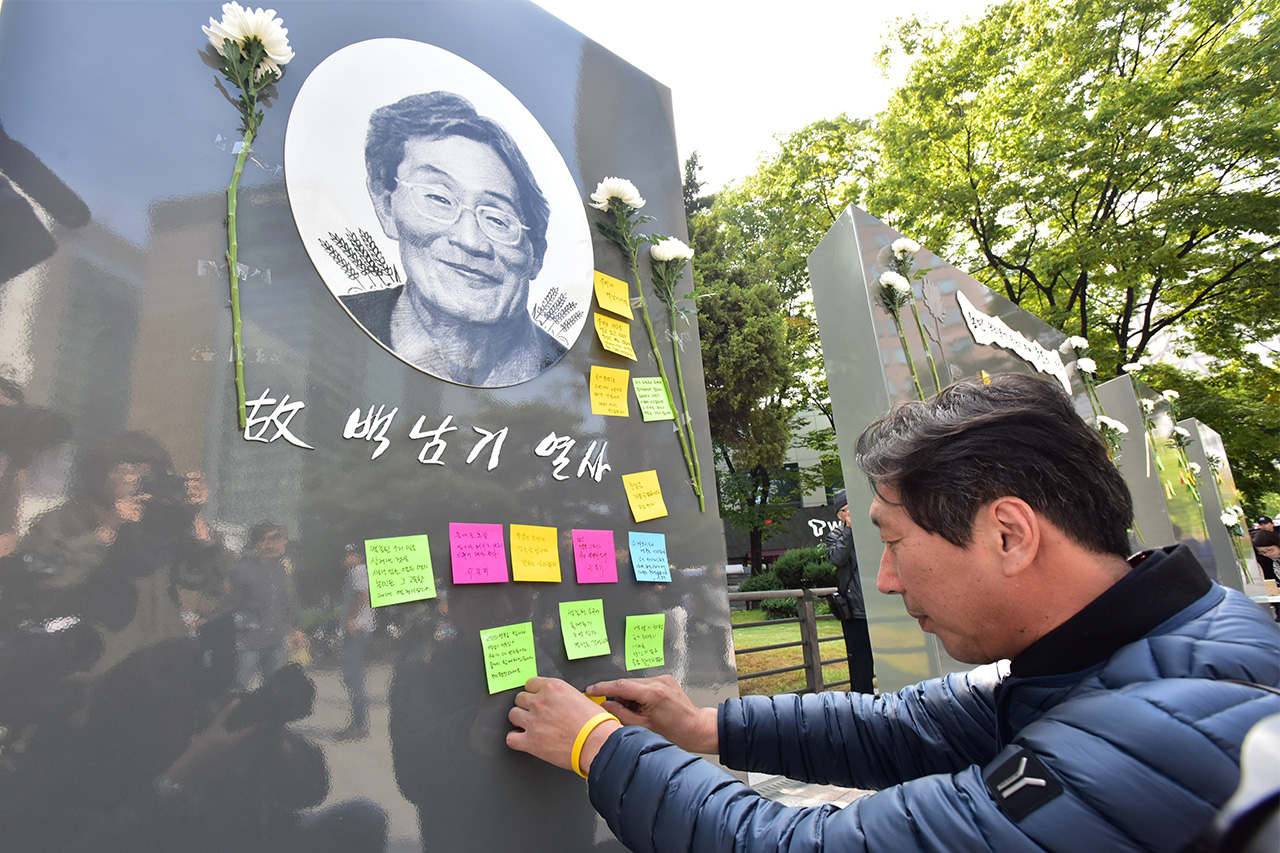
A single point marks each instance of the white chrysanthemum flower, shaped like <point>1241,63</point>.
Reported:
<point>240,24</point>
<point>896,281</point>
<point>1087,364</point>
<point>1182,432</point>
<point>1228,519</point>
<point>670,249</point>
<point>1111,423</point>
<point>1169,395</point>
<point>1148,406</point>
<point>619,188</point>
<point>904,246</point>
<point>1195,467</point>
<point>1074,342</point>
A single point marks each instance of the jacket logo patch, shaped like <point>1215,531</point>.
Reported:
<point>1021,784</point>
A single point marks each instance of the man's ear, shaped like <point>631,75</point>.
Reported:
<point>381,198</point>
<point>1019,530</point>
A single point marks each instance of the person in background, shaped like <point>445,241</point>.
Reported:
<point>265,604</point>
<point>358,624</point>
<point>847,604</point>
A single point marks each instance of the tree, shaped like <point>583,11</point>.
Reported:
<point>1111,166</point>
<point>1114,168</point>
<point>746,362</point>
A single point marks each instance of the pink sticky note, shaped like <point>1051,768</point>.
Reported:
<point>479,553</point>
<point>593,556</point>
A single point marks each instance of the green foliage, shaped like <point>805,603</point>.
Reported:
<point>765,581</point>
<point>1111,166</point>
<point>760,353</point>
<point>804,568</point>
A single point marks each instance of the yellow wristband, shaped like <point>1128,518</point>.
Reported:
<point>581,739</point>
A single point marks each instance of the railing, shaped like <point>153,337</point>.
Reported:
<point>809,643</point>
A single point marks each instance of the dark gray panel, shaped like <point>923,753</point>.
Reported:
<point>121,324</point>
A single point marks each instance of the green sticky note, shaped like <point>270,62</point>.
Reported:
<point>582,625</point>
<point>399,570</point>
<point>652,397</point>
<point>508,656</point>
<point>644,640</point>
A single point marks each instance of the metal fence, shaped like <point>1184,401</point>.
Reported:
<point>809,643</point>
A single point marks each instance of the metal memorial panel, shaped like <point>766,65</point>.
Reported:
<point>898,323</point>
<point>187,661</point>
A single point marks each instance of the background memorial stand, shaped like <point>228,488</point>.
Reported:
<point>868,373</point>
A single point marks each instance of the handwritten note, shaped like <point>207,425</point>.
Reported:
<point>594,557</point>
<point>649,556</point>
<point>534,554</point>
<point>644,640</point>
<point>615,336</point>
<point>399,570</point>
<point>582,625</point>
<point>479,553</point>
<point>609,391</point>
<point>645,495</point>
<point>613,294</point>
<point>509,659</point>
<point>651,394</point>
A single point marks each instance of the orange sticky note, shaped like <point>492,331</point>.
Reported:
<point>613,294</point>
<point>615,336</point>
<point>534,553</point>
<point>609,391</point>
<point>645,495</point>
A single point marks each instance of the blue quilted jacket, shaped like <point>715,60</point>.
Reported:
<point>1116,731</point>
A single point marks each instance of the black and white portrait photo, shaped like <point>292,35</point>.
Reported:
<point>461,244</point>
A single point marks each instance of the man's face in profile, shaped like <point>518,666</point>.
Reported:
<point>477,267</point>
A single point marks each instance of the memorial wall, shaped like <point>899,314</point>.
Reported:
<point>898,323</point>
<point>453,398</point>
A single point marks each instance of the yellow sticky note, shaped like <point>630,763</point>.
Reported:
<point>609,391</point>
<point>534,553</point>
<point>613,294</point>
<point>644,494</point>
<point>615,336</point>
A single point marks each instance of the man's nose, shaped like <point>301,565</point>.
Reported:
<point>467,234</point>
<point>887,578</point>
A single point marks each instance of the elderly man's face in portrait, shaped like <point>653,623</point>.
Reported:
<point>455,211</point>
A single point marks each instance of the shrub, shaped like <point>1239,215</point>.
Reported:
<point>804,568</point>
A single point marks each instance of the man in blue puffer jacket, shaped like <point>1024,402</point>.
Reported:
<point>1108,716</point>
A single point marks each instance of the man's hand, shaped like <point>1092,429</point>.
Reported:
<point>548,715</point>
<point>660,705</point>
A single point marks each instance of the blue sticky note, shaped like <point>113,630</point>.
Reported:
<point>649,556</point>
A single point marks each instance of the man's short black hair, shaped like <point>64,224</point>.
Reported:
<point>1018,436</point>
<point>437,115</point>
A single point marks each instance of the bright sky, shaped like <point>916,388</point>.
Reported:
<point>742,72</point>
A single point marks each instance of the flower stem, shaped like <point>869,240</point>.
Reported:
<point>662,372</point>
<point>684,403</point>
<point>233,246</point>
<point>906,347</point>
<point>925,340</point>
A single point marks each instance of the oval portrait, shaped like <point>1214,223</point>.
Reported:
<point>439,213</point>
